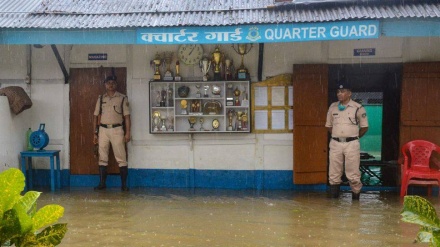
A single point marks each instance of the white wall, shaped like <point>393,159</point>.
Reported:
<point>182,151</point>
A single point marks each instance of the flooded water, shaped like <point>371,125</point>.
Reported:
<point>185,217</point>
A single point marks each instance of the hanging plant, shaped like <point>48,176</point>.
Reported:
<point>21,224</point>
<point>418,210</point>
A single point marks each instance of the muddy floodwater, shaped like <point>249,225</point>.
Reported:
<point>202,217</point>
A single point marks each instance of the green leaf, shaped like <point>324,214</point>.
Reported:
<point>10,226</point>
<point>27,202</point>
<point>436,238</point>
<point>47,215</point>
<point>11,185</point>
<point>52,235</point>
<point>419,211</point>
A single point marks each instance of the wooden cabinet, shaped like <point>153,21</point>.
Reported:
<point>199,107</point>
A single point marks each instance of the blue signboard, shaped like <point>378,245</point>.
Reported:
<point>268,33</point>
<point>97,56</point>
<point>364,52</point>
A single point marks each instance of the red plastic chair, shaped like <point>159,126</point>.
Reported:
<point>415,167</point>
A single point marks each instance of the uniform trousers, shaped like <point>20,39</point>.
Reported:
<point>350,153</point>
<point>115,137</point>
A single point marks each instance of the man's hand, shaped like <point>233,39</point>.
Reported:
<point>127,137</point>
<point>95,139</point>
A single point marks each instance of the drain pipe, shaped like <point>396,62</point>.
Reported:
<point>60,62</point>
<point>260,61</point>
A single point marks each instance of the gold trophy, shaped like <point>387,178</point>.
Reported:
<point>156,120</point>
<point>155,63</point>
<point>183,106</point>
<point>237,93</point>
<point>239,119</point>
<point>168,56</point>
<point>242,49</point>
<point>205,65</point>
<point>192,121</point>
<point>177,77</point>
<point>244,121</point>
<point>217,57</point>
<point>229,69</point>
<point>231,113</point>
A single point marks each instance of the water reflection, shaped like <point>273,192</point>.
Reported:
<point>185,217</point>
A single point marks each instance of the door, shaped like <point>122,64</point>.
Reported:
<point>310,138</point>
<point>420,116</point>
<point>86,85</point>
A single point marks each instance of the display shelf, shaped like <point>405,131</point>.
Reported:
<point>199,107</point>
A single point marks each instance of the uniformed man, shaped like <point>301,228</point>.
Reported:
<point>112,111</point>
<point>347,122</point>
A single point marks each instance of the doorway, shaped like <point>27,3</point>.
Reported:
<point>377,87</point>
<point>86,84</point>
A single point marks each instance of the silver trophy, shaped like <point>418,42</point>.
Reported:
<point>205,65</point>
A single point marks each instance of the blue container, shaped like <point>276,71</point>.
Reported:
<point>39,139</point>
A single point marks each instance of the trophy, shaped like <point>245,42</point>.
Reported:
<point>196,107</point>
<point>216,91</point>
<point>237,93</point>
<point>205,65</point>
<point>168,56</point>
<point>192,121</point>
<point>239,119</point>
<point>198,93</point>
<point>231,113</point>
<point>177,77</point>
<point>244,121</point>
<point>216,60</point>
<point>155,63</point>
<point>158,98</point>
<point>229,69</point>
<point>242,49</point>
<point>163,97</point>
<point>230,95</point>
<point>201,120</point>
<point>170,123</point>
<point>215,125</point>
<point>170,96</point>
<point>183,105</point>
<point>245,100</point>
<point>163,127</point>
<point>206,88</point>
<point>156,120</point>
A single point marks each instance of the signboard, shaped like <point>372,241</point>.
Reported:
<point>364,52</point>
<point>267,33</point>
<point>97,56</point>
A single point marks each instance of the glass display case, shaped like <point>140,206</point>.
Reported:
<point>199,107</point>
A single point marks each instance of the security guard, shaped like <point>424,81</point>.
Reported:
<point>347,122</point>
<point>112,111</point>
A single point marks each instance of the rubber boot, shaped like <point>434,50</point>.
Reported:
<point>334,191</point>
<point>124,174</point>
<point>355,196</point>
<point>102,178</point>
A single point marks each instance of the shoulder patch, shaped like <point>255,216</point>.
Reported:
<point>364,115</point>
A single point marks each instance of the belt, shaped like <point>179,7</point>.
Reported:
<point>345,139</point>
<point>109,126</point>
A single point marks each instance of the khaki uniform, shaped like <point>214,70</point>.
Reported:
<point>112,114</point>
<point>345,124</point>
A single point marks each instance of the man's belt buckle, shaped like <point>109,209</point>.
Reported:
<point>109,126</point>
<point>343,139</point>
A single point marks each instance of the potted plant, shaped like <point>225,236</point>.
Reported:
<point>21,224</point>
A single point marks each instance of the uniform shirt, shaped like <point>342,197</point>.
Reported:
<point>344,123</point>
<point>111,108</point>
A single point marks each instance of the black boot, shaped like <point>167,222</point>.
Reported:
<point>334,191</point>
<point>355,196</point>
<point>124,173</point>
<point>102,178</point>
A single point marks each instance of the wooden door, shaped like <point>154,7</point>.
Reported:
<point>310,138</point>
<point>85,87</point>
<point>420,101</point>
